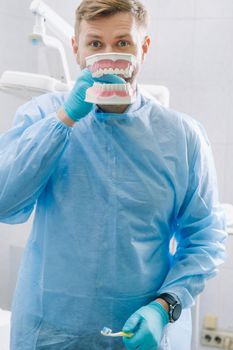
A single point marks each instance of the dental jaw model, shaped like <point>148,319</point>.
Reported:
<point>111,63</point>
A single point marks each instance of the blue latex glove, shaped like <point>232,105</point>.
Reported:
<point>147,324</point>
<point>75,105</point>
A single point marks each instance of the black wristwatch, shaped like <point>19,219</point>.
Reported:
<point>175,306</point>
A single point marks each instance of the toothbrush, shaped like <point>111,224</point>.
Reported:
<point>108,333</point>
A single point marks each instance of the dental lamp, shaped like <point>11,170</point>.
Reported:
<point>55,23</point>
<point>24,84</point>
<point>45,16</point>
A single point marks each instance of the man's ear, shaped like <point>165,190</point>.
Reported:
<point>145,47</point>
<point>75,48</point>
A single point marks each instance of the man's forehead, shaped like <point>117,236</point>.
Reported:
<point>119,26</point>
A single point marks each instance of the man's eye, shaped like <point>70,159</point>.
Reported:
<point>95,44</point>
<point>123,43</point>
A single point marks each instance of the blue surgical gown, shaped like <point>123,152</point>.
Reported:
<point>109,195</point>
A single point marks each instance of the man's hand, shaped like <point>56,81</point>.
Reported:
<point>147,324</point>
<point>75,106</point>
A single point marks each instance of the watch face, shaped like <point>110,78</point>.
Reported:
<point>174,305</point>
<point>176,312</point>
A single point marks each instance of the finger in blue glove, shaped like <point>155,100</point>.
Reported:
<point>75,106</point>
<point>110,79</point>
<point>147,324</point>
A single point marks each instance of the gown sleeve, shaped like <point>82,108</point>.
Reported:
<point>29,152</point>
<point>200,230</point>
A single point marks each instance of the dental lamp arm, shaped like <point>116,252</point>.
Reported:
<point>55,23</point>
<point>46,17</point>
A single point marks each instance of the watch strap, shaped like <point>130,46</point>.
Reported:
<point>174,303</point>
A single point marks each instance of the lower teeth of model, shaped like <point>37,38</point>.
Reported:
<point>110,87</point>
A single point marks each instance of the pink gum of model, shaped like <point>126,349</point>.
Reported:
<point>106,63</point>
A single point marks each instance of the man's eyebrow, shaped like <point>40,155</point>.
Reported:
<point>123,36</point>
<point>96,36</point>
<point>93,36</point>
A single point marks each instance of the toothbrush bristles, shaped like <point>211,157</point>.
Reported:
<point>106,331</point>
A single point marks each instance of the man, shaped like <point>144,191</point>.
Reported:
<point>112,185</point>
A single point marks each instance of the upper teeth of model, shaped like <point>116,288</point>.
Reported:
<point>127,73</point>
<point>111,63</point>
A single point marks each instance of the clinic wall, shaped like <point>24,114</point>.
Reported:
<point>15,54</point>
<point>191,54</point>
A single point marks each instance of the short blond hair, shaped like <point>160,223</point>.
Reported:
<point>90,10</point>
